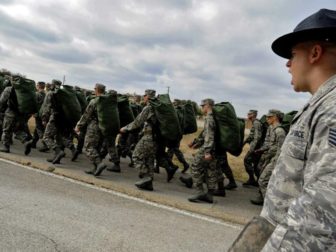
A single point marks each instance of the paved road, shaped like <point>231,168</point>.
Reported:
<point>41,212</point>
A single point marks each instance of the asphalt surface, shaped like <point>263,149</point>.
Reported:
<point>40,211</point>
<point>235,207</point>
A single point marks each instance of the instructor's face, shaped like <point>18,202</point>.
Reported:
<point>299,67</point>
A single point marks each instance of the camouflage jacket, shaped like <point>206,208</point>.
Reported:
<point>300,199</point>
<point>40,95</point>
<point>90,115</point>
<point>145,119</point>
<point>4,98</point>
<point>206,139</point>
<point>48,107</point>
<point>254,137</point>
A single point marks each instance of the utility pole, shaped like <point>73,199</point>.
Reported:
<point>63,79</point>
<point>168,89</point>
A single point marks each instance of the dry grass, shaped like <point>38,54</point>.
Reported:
<point>236,163</point>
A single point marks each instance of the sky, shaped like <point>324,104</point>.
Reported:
<point>192,48</point>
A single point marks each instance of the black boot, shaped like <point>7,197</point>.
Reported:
<point>145,184</point>
<point>231,185</point>
<point>4,148</point>
<point>185,167</point>
<point>171,171</point>
<point>201,196</point>
<point>34,142</point>
<point>258,200</point>
<point>75,155</point>
<point>93,170</point>
<point>115,167</point>
<point>44,147</point>
<point>100,168</point>
<point>251,181</point>
<point>220,191</point>
<point>59,155</point>
<point>187,181</point>
<point>28,147</point>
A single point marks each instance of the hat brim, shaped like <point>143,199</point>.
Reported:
<point>283,45</point>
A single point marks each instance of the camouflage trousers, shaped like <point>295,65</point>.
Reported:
<point>223,163</point>
<point>93,142</point>
<point>8,127</point>
<point>144,156</point>
<point>178,153</point>
<point>109,147</point>
<point>265,176</point>
<point>39,128</point>
<point>54,139</point>
<point>251,161</point>
<point>204,171</point>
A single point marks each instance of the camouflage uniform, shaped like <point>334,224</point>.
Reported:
<point>145,149</point>
<point>205,171</point>
<point>251,159</point>
<point>10,116</point>
<point>93,138</point>
<point>300,200</point>
<point>276,140</point>
<point>39,127</point>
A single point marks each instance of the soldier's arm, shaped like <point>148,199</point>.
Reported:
<point>5,97</point>
<point>257,135</point>
<point>209,135</point>
<point>88,113</point>
<point>139,120</point>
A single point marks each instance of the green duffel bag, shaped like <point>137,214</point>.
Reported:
<point>108,115</point>
<point>228,129</point>
<point>180,115</point>
<point>82,100</point>
<point>287,120</point>
<point>69,107</point>
<point>190,123</point>
<point>125,112</point>
<point>25,92</point>
<point>136,109</point>
<point>168,123</point>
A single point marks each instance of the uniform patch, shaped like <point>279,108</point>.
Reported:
<point>332,137</point>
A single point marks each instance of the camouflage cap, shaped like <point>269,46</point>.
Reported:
<point>41,84</point>
<point>150,92</point>
<point>253,111</point>
<point>208,101</point>
<point>100,87</point>
<point>56,82</point>
<point>274,112</point>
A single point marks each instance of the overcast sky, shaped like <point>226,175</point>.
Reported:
<point>199,49</point>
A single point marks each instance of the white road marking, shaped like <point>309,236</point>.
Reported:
<point>125,196</point>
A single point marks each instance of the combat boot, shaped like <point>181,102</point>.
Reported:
<point>93,170</point>
<point>220,191</point>
<point>4,148</point>
<point>44,147</point>
<point>75,155</point>
<point>187,181</point>
<point>202,197</point>
<point>171,171</point>
<point>251,182</point>
<point>231,185</point>
<point>100,168</point>
<point>258,200</point>
<point>145,184</point>
<point>199,194</point>
<point>28,147</point>
<point>34,142</point>
<point>115,167</point>
<point>59,155</point>
<point>185,167</point>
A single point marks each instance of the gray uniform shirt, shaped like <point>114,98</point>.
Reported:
<point>301,196</point>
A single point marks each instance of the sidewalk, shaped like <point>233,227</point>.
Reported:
<point>235,207</point>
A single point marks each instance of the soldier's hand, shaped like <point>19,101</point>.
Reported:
<point>208,157</point>
<point>122,130</point>
<point>77,130</point>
